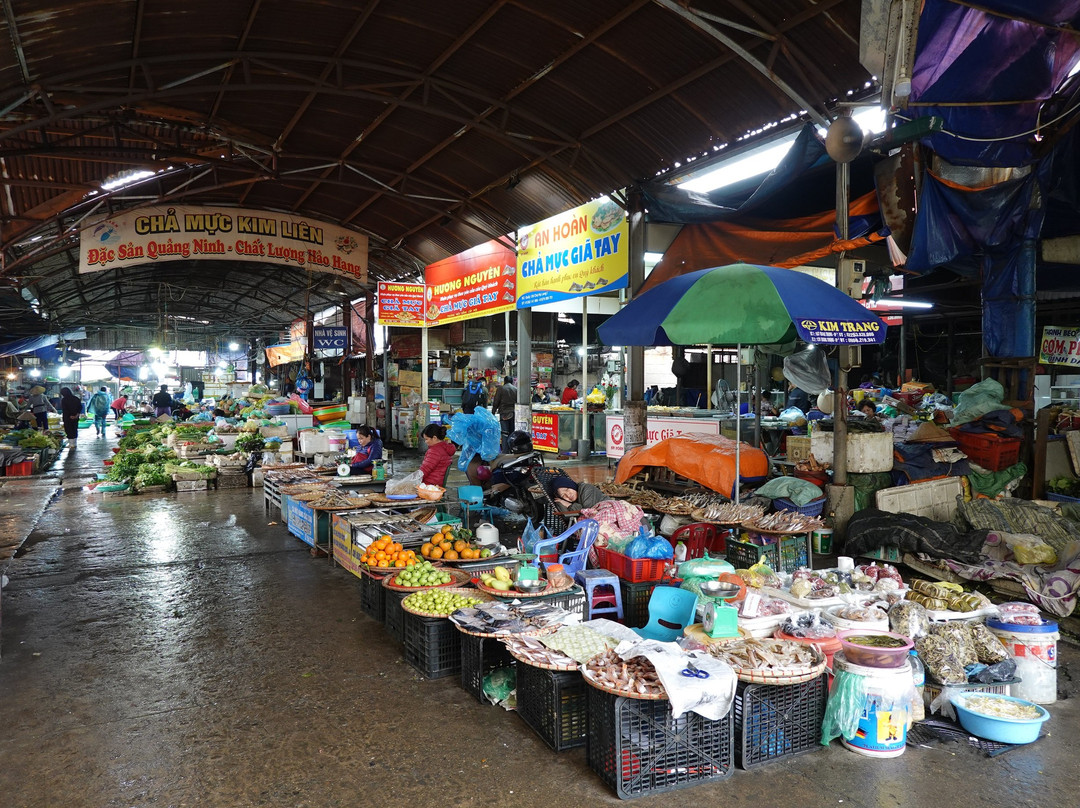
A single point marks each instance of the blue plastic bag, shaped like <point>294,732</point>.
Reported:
<point>476,434</point>
<point>646,546</point>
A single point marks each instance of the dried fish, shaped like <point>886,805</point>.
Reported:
<point>635,676</point>
<point>784,522</point>
<point>776,655</point>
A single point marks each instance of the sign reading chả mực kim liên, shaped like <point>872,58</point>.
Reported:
<point>330,337</point>
<point>1060,346</point>
<point>186,233</point>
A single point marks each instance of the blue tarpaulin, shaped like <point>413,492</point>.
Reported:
<point>33,344</point>
<point>1005,67</point>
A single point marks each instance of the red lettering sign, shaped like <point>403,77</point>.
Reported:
<point>545,431</point>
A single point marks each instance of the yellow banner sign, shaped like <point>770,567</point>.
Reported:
<point>577,253</point>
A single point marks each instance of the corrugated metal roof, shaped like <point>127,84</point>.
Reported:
<point>428,126</point>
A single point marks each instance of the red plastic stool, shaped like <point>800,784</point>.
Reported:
<point>698,538</point>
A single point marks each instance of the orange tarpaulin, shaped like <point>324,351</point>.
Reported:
<point>705,459</point>
<point>759,241</point>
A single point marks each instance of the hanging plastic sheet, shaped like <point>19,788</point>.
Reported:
<point>476,434</point>
<point>1003,51</point>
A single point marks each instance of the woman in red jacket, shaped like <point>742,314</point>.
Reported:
<point>440,452</point>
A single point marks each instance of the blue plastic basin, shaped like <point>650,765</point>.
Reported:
<point>993,728</point>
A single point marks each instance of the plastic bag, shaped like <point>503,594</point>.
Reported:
<point>406,485</point>
<point>847,700</point>
<point>476,434</point>
<point>908,618</point>
<point>793,416</point>
<point>808,370</point>
<point>989,649</point>
<point>1029,549</point>
<point>499,685</point>
<point>646,546</point>
<point>704,567</point>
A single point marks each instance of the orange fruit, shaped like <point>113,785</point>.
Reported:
<point>436,552</point>
<point>450,555</point>
<point>446,529</point>
<point>400,562</point>
<point>446,546</point>
<point>395,546</point>
<point>459,545</point>
<point>425,549</point>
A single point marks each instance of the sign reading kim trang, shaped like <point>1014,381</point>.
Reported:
<point>581,252</point>
<point>840,332</point>
<point>188,233</point>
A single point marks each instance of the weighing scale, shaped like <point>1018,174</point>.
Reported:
<point>720,619</point>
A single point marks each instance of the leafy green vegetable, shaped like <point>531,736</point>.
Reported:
<point>250,442</point>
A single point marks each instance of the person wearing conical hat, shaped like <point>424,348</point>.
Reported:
<point>40,406</point>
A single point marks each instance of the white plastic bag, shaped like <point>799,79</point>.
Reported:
<point>406,485</point>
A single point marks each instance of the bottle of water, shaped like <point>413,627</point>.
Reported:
<point>918,676</point>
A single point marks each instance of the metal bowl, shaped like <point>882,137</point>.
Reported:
<point>530,586</point>
<point>719,589</point>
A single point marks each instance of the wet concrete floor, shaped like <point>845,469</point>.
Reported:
<point>177,650</point>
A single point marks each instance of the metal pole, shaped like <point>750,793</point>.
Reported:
<point>738,417</point>
<point>840,396</point>
<point>506,352</point>
<point>708,376</point>
<point>523,406</point>
<point>387,409</point>
<point>634,413</point>
<point>424,369</point>
<point>583,442</point>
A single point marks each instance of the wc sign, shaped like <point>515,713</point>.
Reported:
<point>331,338</point>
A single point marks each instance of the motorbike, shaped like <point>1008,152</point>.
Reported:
<point>512,477</point>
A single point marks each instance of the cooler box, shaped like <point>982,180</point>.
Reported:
<point>866,452</point>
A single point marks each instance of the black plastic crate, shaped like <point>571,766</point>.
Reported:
<point>635,602</point>
<point>393,614</point>
<point>774,722</point>
<point>553,703</point>
<point>372,597</point>
<point>432,645</point>
<point>638,748</point>
<point>479,657</point>
<point>573,600</point>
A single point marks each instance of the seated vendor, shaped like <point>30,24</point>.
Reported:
<point>369,450</point>
<point>570,495</point>
<point>440,452</point>
<point>868,408</point>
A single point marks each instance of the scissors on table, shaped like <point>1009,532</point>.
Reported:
<point>694,671</point>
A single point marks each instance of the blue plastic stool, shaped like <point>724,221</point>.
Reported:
<point>471,500</point>
<point>596,584</point>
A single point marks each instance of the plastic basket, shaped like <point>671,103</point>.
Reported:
<point>553,704</point>
<point>1061,497</point>
<point>372,597</point>
<point>992,452</point>
<point>638,748</point>
<point>774,722</point>
<point>634,570</point>
<point>432,645</point>
<point>24,468</point>
<point>635,599</point>
<point>812,508</point>
<point>787,554</point>
<point>480,656</point>
<point>931,690</point>
<point>394,615</point>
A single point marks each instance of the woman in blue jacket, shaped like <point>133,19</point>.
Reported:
<point>368,452</point>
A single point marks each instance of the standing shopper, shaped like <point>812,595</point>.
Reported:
<point>119,406</point>
<point>502,407</point>
<point>162,401</point>
<point>40,407</point>
<point>71,407</point>
<point>99,408</point>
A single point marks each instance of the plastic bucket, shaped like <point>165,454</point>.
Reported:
<point>336,441</point>
<point>821,541</point>
<point>886,715</point>
<point>1035,650</point>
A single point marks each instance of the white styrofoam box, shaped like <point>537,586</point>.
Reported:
<point>191,485</point>
<point>357,403</point>
<point>313,442</point>
<point>934,499</point>
<point>866,451</point>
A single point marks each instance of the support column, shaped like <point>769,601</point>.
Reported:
<point>634,413</point>
<point>424,368</point>
<point>583,448</point>
<point>523,406</point>
<point>346,320</point>
<point>840,396</point>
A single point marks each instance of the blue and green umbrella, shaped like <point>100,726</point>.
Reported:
<point>743,304</point>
